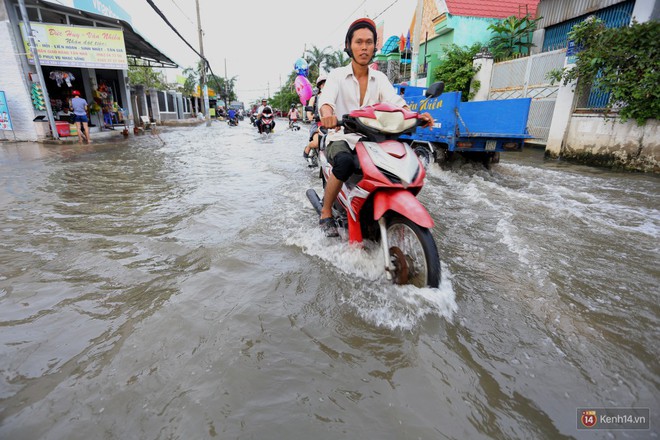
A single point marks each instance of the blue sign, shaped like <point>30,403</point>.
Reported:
<point>107,8</point>
<point>5,120</point>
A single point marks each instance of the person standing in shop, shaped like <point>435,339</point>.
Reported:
<point>79,107</point>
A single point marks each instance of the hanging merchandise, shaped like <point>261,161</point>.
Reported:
<point>60,76</point>
<point>38,100</point>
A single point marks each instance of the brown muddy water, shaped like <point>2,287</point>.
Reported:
<point>181,290</point>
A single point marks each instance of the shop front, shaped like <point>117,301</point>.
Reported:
<point>77,50</point>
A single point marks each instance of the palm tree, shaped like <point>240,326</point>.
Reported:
<point>336,59</point>
<point>316,58</point>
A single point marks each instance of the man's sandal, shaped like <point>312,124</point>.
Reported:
<point>329,227</point>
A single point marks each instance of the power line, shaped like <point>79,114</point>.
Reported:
<point>349,16</point>
<point>206,62</point>
<point>381,12</point>
<point>159,12</point>
<point>182,11</point>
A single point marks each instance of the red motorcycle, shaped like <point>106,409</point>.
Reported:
<point>266,123</point>
<point>379,201</point>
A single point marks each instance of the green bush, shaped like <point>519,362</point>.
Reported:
<point>620,61</point>
<point>457,72</point>
<point>512,36</point>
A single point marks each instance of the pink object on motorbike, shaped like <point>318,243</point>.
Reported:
<point>303,89</point>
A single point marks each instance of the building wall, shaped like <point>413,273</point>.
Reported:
<point>592,139</point>
<point>557,11</point>
<point>14,82</point>
<point>462,31</point>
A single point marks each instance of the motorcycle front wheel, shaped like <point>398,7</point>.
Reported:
<point>413,253</point>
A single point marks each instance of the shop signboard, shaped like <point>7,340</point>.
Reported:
<point>5,119</point>
<point>77,46</point>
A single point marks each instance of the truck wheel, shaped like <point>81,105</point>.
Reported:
<point>441,156</point>
<point>424,156</point>
<point>490,158</point>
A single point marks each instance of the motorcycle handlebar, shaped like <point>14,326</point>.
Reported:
<point>340,123</point>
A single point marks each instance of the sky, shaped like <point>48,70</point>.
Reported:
<point>259,40</point>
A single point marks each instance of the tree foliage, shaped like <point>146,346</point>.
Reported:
<point>512,36</point>
<point>190,82</point>
<point>457,72</point>
<point>620,61</point>
<point>320,61</point>
<point>338,58</point>
<point>317,60</point>
<point>225,89</point>
<point>146,76</point>
<point>287,94</point>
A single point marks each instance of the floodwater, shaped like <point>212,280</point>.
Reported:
<point>182,290</point>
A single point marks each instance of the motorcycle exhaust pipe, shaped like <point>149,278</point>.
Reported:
<point>314,200</point>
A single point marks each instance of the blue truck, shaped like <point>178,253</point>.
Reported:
<point>477,130</point>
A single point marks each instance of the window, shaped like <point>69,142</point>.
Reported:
<point>170,103</point>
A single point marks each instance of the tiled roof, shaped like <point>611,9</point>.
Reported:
<point>492,8</point>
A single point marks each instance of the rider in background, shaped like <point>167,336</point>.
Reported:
<point>293,115</point>
<point>349,88</point>
<point>314,117</point>
<point>231,114</point>
<point>260,110</point>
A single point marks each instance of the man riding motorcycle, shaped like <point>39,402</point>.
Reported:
<point>346,89</point>
<point>264,107</point>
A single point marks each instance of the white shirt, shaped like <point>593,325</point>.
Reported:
<point>342,93</point>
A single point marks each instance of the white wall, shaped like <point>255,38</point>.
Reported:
<point>623,144</point>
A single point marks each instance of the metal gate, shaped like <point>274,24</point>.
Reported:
<point>526,78</point>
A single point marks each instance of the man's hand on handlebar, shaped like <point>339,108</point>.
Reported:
<point>428,120</point>
<point>329,121</point>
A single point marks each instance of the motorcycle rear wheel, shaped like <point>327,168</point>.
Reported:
<point>413,252</point>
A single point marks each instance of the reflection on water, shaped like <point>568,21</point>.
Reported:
<point>182,289</point>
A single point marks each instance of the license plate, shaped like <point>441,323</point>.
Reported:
<point>491,145</point>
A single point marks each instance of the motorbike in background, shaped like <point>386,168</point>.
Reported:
<point>267,123</point>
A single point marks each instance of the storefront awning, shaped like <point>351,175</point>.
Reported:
<point>137,47</point>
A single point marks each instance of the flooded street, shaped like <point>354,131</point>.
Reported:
<point>182,290</point>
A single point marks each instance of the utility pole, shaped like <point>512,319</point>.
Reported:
<point>37,65</point>
<point>226,89</point>
<point>417,35</point>
<point>202,80</point>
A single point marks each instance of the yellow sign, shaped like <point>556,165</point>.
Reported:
<point>197,92</point>
<point>77,46</point>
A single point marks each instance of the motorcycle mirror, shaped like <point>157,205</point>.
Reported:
<point>435,90</point>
